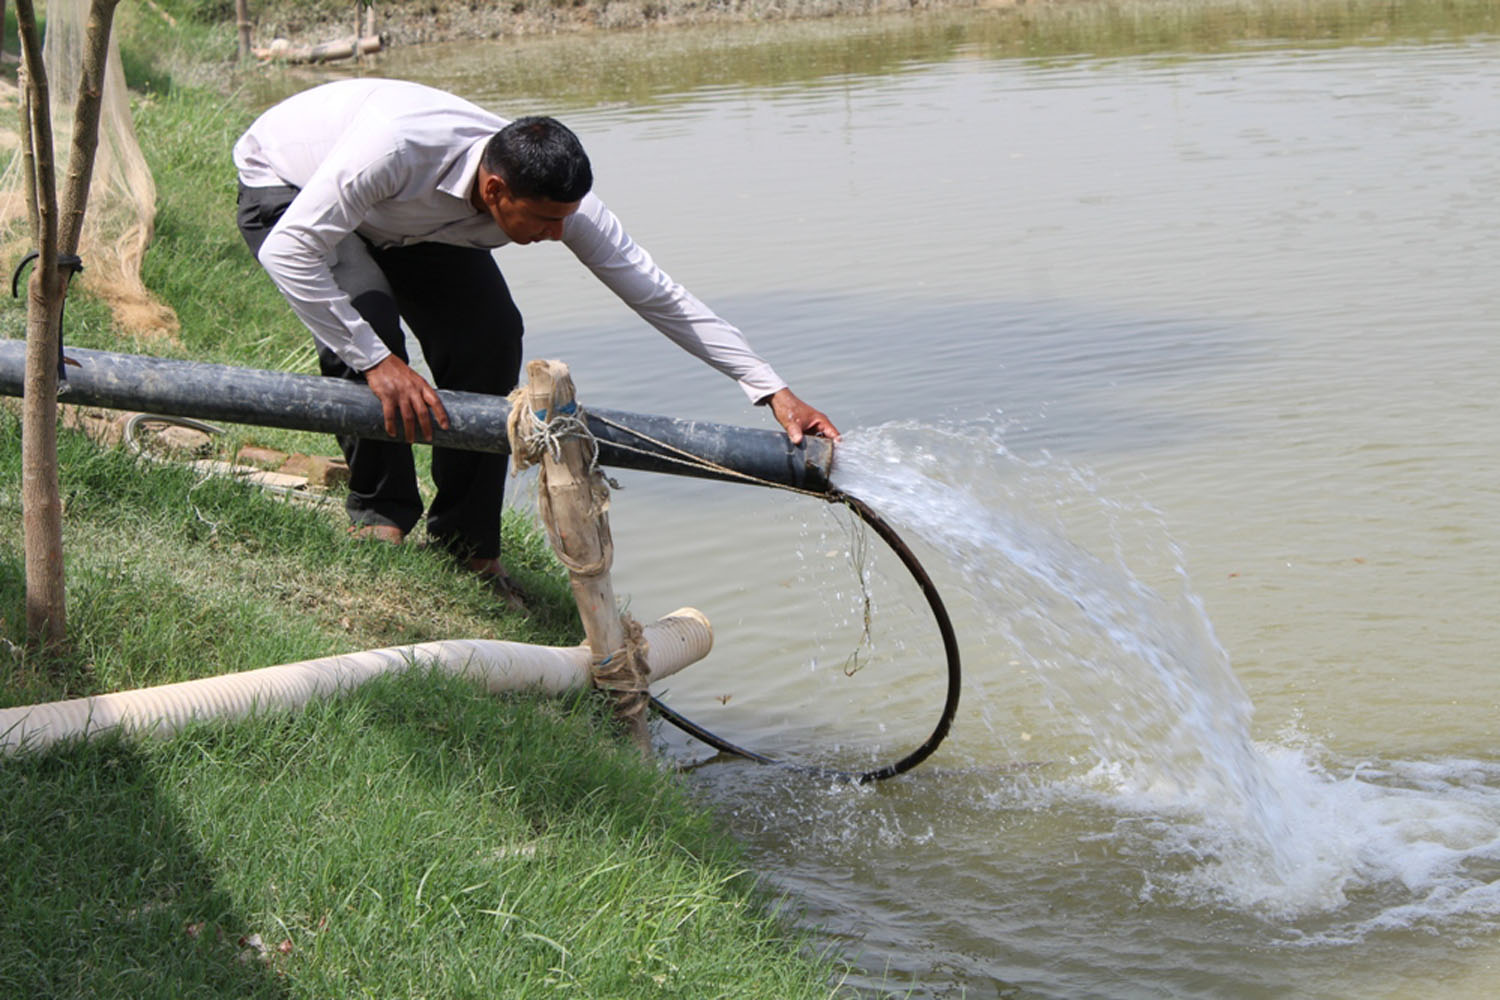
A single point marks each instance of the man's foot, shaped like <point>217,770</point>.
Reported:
<point>502,586</point>
<point>388,533</point>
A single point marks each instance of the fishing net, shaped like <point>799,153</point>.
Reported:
<point>122,195</point>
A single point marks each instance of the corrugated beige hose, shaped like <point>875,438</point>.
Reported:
<point>674,642</point>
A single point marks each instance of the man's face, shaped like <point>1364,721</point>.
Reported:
<point>524,220</point>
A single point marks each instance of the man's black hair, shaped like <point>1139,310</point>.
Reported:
<point>540,157</point>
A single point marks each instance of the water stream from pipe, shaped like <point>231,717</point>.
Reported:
<point>1148,720</point>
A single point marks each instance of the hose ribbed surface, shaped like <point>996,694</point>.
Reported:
<point>679,639</point>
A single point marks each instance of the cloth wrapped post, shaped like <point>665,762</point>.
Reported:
<point>546,429</point>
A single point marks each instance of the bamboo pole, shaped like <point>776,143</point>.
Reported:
<point>242,27</point>
<point>573,503</point>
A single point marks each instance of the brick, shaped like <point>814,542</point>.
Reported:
<point>319,471</point>
<point>277,479</point>
<point>261,458</point>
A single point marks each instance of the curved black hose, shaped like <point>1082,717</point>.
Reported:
<point>950,651</point>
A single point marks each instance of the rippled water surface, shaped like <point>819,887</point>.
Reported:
<point>1175,358</point>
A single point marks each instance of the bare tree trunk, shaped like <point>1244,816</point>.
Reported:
<point>41,501</point>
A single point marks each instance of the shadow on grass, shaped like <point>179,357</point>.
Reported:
<point>106,893</point>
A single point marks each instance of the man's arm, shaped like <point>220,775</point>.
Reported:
<point>297,253</point>
<point>598,239</point>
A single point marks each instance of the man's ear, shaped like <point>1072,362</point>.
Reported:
<point>495,188</point>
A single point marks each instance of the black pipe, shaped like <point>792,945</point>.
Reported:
<point>477,422</point>
<point>950,655</point>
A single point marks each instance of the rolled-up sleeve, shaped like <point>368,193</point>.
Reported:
<point>600,242</point>
<point>301,250</point>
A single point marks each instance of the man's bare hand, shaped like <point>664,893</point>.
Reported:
<point>798,418</point>
<point>406,400</point>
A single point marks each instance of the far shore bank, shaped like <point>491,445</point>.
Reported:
<point>402,23</point>
<point>1051,25</point>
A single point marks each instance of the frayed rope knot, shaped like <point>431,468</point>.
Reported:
<point>535,433</point>
<point>625,671</point>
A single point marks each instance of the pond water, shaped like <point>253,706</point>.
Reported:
<point>1167,336</point>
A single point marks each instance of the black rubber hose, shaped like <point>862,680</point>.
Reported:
<point>950,651</point>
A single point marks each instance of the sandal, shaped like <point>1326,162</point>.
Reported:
<point>388,533</point>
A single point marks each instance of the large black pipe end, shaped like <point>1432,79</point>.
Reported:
<point>709,450</point>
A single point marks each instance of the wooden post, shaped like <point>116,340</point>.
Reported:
<point>578,525</point>
<point>242,27</point>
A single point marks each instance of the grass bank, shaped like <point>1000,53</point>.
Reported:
<point>418,838</point>
<point>414,839</point>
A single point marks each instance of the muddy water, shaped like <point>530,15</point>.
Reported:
<point>1170,341</point>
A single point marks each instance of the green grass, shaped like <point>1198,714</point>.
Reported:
<point>416,839</point>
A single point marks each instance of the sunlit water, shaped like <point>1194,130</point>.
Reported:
<point>1176,362</point>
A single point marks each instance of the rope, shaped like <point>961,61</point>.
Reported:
<point>671,453</point>
<point>534,433</point>
<point>625,672</point>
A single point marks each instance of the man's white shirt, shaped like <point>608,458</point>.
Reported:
<point>395,163</point>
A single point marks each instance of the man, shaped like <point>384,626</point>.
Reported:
<point>374,201</point>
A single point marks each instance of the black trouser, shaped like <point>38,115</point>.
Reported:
<point>458,307</point>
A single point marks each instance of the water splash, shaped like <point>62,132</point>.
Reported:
<point>1132,673</point>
